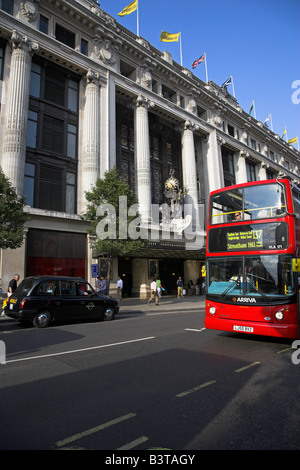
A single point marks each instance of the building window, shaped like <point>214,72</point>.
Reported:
<point>251,173</point>
<point>84,46</point>
<point>50,188</point>
<point>53,135</point>
<point>73,95</point>
<point>52,138</point>
<point>7,6</point>
<point>32,129</point>
<point>35,80</point>
<point>43,25</point>
<point>228,167</point>
<point>55,86</point>
<point>70,193</point>
<point>72,141</point>
<point>253,144</point>
<point>230,130</point>
<point>65,36</point>
<point>29,184</point>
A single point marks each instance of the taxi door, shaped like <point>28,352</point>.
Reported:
<point>67,302</point>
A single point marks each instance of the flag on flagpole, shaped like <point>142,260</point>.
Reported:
<point>293,141</point>
<point>169,37</point>
<point>284,132</point>
<point>129,9</point>
<point>198,61</point>
<point>228,81</point>
<point>172,37</point>
<point>267,119</point>
<point>251,108</point>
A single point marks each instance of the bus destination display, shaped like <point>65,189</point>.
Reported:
<point>249,237</point>
<point>244,240</point>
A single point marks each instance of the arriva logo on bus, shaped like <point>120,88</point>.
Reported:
<point>250,300</point>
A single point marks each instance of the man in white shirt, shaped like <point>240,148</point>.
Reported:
<point>154,293</point>
<point>119,287</point>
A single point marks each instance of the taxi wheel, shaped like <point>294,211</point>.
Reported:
<point>109,314</point>
<point>42,319</point>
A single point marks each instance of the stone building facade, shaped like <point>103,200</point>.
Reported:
<point>79,95</point>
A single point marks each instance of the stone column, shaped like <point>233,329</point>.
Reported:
<point>240,167</point>
<point>262,171</point>
<point>91,133</point>
<point>15,129</point>
<point>189,169</point>
<point>142,157</point>
<point>213,165</point>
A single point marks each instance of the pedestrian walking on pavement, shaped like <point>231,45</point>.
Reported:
<point>154,293</point>
<point>179,287</point>
<point>158,287</point>
<point>13,284</point>
<point>119,287</point>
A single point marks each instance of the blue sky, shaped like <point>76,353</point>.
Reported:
<point>255,41</point>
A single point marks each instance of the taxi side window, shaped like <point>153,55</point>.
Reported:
<point>82,288</point>
<point>47,288</point>
<point>67,288</point>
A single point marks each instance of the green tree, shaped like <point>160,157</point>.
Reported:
<point>12,215</point>
<point>104,211</point>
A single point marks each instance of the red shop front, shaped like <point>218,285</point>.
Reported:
<point>56,253</point>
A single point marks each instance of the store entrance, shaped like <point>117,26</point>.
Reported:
<point>125,273</point>
<point>169,271</point>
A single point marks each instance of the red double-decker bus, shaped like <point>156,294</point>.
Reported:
<point>253,240</point>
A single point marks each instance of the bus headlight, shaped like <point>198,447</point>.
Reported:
<point>212,310</point>
<point>279,315</point>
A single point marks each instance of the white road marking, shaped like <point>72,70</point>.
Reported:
<point>88,432</point>
<point>195,389</point>
<point>80,350</point>
<point>194,329</point>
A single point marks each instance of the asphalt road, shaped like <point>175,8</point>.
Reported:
<point>146,381</point>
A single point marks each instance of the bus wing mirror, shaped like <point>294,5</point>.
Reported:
<point>296,265</point>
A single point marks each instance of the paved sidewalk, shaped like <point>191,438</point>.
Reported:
<point>166,303</point>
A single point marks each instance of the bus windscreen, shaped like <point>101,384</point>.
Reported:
<point>251,203</point>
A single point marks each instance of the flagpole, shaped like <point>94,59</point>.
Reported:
<point>254,109</point>
<point>180,49</point>
<point>232,85</point>
<point>206,69</point>
<point>137,19</point>
<point>271,122</point>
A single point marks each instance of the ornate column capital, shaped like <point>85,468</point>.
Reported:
<point>19,41</point>
<point>92,77</point>
<point>141,101</point>
<point>190,126</point>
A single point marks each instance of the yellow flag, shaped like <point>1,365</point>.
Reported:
<point>292,141</point>
<point>169,37</point>
<point>129,9</point>
<point>284,132</point>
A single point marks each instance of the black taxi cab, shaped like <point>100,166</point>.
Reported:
<point>44,299</point>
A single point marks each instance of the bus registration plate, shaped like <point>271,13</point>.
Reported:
<point>247,329</point>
